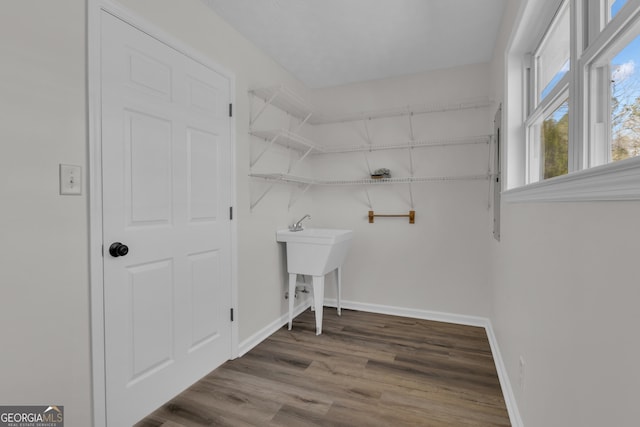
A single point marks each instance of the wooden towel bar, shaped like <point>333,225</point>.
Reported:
<point>411,215</point>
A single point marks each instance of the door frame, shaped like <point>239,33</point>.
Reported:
<point>94,163</point>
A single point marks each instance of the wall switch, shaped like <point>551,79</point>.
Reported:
<point>70,180</point>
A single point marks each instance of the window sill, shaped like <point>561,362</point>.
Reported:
<point>613,181</point>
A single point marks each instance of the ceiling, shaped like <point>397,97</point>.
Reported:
<point>333,42</point>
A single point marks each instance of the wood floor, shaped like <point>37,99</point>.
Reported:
<point>364,370</point>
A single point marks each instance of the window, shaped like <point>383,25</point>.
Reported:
<point>579,103</point>
<point>614,94</point>
<point>548,123</point>
<point>625,100</point>
<point>552,57</point>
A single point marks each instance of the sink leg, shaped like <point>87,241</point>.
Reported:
<point>292,296</point>
<point>318,300</point>
<point>339,284</point>
<point>313,306</point>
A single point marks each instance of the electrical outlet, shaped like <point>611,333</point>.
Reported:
<point>521,367</point>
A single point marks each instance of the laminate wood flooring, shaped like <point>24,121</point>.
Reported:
<point>364,370</point>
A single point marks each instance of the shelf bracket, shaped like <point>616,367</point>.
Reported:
<point>259,199</point>
<point>264,107</point>
<point>411,169</point>
<point>294,164</point>
<point>366,130</point>
<point>411,127</point>
<point>411,215</point>
<point>366,191</point>
<point>269,145</point>
<point>308,116</point>
<point>411,195</point>
<point>293,200</point>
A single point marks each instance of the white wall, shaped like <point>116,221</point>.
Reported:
<point>44,309</point>
<point>441,262</point>
<point>564,287</point>
<point>561,291</point>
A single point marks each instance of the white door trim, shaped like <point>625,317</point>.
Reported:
<point>96,281</point>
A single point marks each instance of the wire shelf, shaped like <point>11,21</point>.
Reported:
<point>401,111</point>
<point>287,138</point>
<point>481,139</point>
<point>283,178</point>
<point>284,99</point>
<point>289,102</point>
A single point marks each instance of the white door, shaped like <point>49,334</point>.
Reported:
<point>166,196</point>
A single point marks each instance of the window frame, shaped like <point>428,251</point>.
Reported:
<point>598,55</point>
<point>535,58</point>
<point>588,178</point>
<point>542,108</point>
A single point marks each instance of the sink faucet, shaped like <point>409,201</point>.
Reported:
<point>298,225</point>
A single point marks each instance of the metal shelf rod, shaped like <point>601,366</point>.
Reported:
<point>482,139</point>
<point>401,111</point>
<point>385,181</point>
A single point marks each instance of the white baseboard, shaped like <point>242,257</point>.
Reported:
<point>437,316</point>
<point>460,319</point>
<point>270,329</point>
<point>507,390</point>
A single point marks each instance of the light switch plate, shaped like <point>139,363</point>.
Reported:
<point>70,180</point>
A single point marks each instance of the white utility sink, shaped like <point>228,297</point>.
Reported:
<point>315,252</point>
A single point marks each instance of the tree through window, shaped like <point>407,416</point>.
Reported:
<point>625,102</point>
<point>555,142</point>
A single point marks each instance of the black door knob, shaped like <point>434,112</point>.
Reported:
<point>118,249</point>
